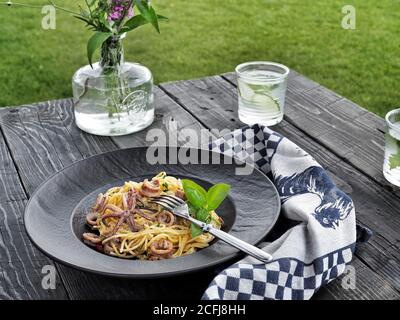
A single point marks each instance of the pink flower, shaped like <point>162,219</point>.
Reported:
<point>118,8</point>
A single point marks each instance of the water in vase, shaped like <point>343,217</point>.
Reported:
<point>110,105</point>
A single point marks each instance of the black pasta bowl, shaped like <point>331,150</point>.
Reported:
<point>55,215</point>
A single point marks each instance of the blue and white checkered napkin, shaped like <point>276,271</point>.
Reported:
<point>313,252</point>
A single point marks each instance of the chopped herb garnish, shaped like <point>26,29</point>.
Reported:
<point>165,186</point>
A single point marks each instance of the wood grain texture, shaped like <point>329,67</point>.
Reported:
<point>376,207</point>
<point>43,139</point>
<point>170,118</point>
<point>352,133</point>
<point>46,135</point>
<point>364,281</point>
<point>20,263</point>
<point>189,93</point>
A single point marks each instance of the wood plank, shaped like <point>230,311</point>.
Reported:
<point>193,95</point>
<point>31,131</point>
<point>169,117</point>
<point>351,132</point>
<point>42,140</point>
<point>387,264</point>
<point>364,281</point>
<point>45,134</point>
<point>87,144</point>
<point>94,283</point>
<point>20,263</point>
<point>93,287</point>
<point>82,285</point>
<point>196,96</point>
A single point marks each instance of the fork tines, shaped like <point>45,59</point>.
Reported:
<point>168,202</point>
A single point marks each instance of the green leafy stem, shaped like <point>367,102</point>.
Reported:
<point>97,22</point>
<point>95,17</point>
<point>202,203</point>
<point>108,35</point>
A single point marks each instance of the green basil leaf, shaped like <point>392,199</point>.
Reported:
<point>195,198</point>
<point>95,42</point>
<point>148,13</point>
<point>189,184</point>
<point>195,230</point>
<point>192,210</point>
<point>216,194</point>
<point>203,214</point>
<point>196,194</point>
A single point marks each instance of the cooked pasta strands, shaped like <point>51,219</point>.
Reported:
<point>125,233</point>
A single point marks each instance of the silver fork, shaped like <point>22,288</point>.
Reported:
<point>179,207</point>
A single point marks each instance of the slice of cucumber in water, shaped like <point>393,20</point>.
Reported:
<point>256,94</point>
<point>267,101</point>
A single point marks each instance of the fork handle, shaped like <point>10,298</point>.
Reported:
<point>233,241</point>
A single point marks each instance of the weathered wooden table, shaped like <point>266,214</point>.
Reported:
<point>38,140</point>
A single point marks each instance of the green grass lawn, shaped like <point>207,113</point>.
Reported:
<point>212,36</point>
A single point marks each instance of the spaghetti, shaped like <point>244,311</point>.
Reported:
<point>127,224</point>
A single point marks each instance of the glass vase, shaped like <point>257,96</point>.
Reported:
<point>113,97</point>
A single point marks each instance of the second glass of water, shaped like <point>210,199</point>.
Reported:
<point>391,165</point>
<point>262,89</point>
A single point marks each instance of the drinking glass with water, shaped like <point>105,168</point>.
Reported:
<point>262,90</point>
<point>391,166</point>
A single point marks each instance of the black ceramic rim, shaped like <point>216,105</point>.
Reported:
<point>54,215</point>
